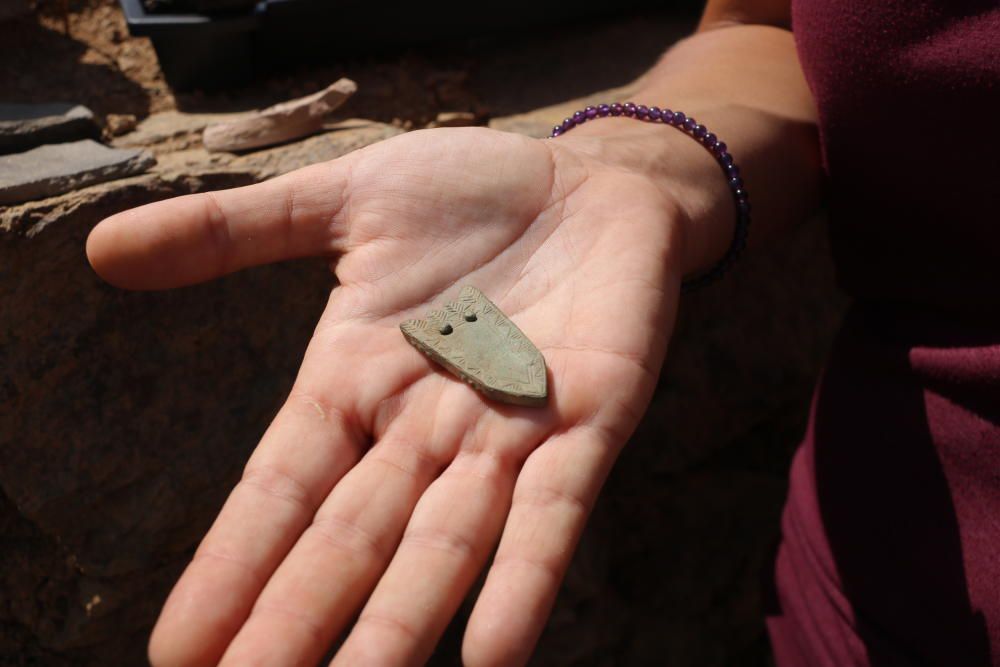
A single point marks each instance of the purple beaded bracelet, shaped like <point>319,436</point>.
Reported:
<point>701,134</point>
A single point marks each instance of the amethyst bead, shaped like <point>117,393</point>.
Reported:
<point>557,130</point>
<point>603,110</point>
<point>732,171</point>
<point>679,118</point>
<point>719,148</point>
<point>616,109</point>
<point>579,117</point>
<point>736,183</point>
<point>709,139</point>
<point>726,159</point>
<point>699,131</point>
<point>655,113</point>
<point>590,112</point>
<point>642,111</point>
<point>567,124</point>
<point>690,124</point>
<point>629,109</point>
<point>668,116</point>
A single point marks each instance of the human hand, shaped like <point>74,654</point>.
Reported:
<point>384,483</point>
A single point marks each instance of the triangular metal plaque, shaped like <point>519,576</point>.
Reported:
<point>475,341</point>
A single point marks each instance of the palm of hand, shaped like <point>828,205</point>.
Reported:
<point>384,484</point>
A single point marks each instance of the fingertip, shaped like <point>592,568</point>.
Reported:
<point>194,627</point>
<point>117,253</point>
<point>491,642</point>
<point>166,649</point>
<point>162,653</point>
<point>486,651</point>
<point>99,248</point>
<point>148,248</point>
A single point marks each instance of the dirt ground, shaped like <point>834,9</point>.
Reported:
<point>86,55</point>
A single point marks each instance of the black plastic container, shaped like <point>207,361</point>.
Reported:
<point>198,51</point>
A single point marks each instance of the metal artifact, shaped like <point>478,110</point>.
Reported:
<point>474,340</point>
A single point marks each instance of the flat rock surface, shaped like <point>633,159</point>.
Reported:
<point>24,126</point>
<point>174,130</point>
<point>58,168</point>
<point>189,170</point>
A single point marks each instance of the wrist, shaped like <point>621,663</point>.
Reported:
<point>679,167</point>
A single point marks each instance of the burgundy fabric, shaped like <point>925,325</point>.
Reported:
<point>891,532</point>
<point>908,93</point>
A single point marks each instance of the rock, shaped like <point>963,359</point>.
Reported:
<point>32,218</point>
<point>52,170</point>
<point>111,491</point>
<point>454,119</point>
<point>189,170</point>
<point>24,126</point>
<point>119,123</point>
<point>339,139</point>
<point>282,122</point>
<point>173,130</point>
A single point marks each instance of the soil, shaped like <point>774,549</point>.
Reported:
<point>81,51</point>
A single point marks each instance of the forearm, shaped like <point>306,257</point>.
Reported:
<point>745,84</point>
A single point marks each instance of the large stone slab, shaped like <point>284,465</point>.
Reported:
<point>114,490</point>
<point>52,170</point>
<point>24,126</point>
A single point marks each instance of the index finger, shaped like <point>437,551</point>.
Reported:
<point>193,238</point>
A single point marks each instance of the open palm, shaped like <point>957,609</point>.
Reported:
<point>383,485</point>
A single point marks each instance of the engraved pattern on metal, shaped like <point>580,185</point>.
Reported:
<point>474,340</point>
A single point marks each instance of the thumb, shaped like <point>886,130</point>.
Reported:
<point>194,238</point>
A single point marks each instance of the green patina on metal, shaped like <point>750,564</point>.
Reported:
<point>474,340</point>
